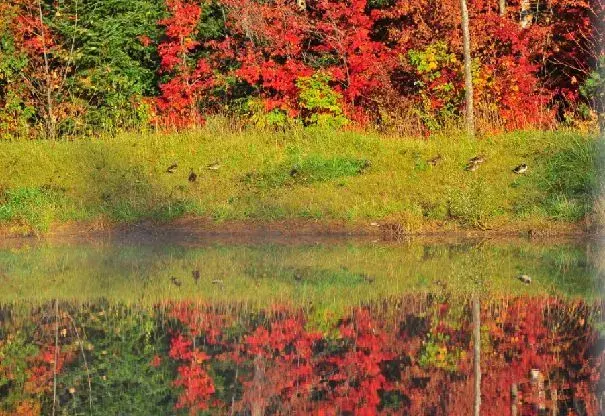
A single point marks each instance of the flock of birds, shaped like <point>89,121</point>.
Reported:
<point>195,274</point>
<point>524,278</point>
<point>192,175</point>
<point>474,163</point>
<point>471,166</point>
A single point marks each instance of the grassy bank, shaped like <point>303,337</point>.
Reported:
<point>353,177</point>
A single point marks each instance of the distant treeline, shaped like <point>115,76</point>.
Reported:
<point>76,67</point>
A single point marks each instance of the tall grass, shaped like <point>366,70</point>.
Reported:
<point>357,177</point>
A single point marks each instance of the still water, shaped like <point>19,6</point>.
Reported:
<point>282,328</point>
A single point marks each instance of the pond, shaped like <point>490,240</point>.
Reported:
<point>326,327</point>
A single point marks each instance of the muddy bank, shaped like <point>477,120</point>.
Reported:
<point>197,230</point>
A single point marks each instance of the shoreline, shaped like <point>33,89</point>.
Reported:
<point>346,184</point>
<point>192,229</point>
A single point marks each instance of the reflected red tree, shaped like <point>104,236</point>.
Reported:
<point>380,362</point>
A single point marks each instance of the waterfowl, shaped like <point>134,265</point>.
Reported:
<point>214,166</point>
<point>524,278</point>
<point>471,167</point>
<point>522,168</point>
<point>297,277</point>
<point>172,167</point>
<point>192,176</point>
<point>367,278</point>
<point>365,165</point>
<point>434,161</point>
<point>294,171</point>
<point>175,281</point>
<point>196,275</point>
<point>477,159</point>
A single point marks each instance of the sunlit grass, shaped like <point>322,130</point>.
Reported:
<point>352,176</point>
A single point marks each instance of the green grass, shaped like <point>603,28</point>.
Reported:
<point>308,173</point>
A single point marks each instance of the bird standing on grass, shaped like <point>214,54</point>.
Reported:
<point>294,171</point>
<point>196,275</point>
<point>522,168</point>
<point>192,176</point>
<point>473,163</point>
<point>435,161</point>
<point>175,281</point>
<point>366,164</point>
<point>172,167</point>
<point>471,167</point>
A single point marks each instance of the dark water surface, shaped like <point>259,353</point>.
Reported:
<point>327,328</point>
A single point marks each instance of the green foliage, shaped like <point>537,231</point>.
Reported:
<point>594,91</point>
<point>438,95</point>
<point>308,169</point>
<point>437,355</point>
<point>212,21</point>
<point>431,60</point>
<point>262,118</point>
<point>15,114</point>
<point>320,104</point>
<point>120,347</point>
<point>570,181</point>
<point>116,61</point>
<point>33,207</point>
<point>15,350</point>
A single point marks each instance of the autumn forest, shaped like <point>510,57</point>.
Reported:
<point>77,67</point>
<point>302,207</point>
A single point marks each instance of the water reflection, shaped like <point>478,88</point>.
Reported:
<point>407,355</point>
<point>339,329</point>
<point>342,273</point>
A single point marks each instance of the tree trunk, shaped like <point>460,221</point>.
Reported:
<point>537,383</point>
<point>468,76</point>
<point>554,398</point>
<point>514,396</point>
<point>502,7</point>
<point>527,16</point>
<point>50,120</point>
<point>258,405</point>
<point>477,353</point>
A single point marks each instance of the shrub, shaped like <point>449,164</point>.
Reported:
<point>319,103</point>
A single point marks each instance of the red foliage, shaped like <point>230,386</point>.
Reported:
<point>287,369</point>
<point>364,51</point>
<point>522,75</point>
<point>275,44</point>
<point>156,361</point>
<point>177,105</point>
<point>197,385</point>
<point>42,368</point>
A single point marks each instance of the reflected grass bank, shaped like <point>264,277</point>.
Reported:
<point>335,275</point>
